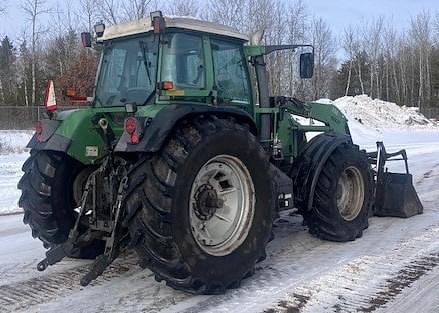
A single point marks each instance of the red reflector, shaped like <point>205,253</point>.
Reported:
<point>167,85</point>
<point>39,131</point>
<point>130,125</point>
<point>134,138</point>
<point>50,99</point>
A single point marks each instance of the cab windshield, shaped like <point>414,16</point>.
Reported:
<point>128,72</point>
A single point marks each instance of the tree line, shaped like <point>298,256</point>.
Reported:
<point>372,57</point>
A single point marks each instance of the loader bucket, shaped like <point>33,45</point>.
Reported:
<point>395,194</point>
<point>399,197</point>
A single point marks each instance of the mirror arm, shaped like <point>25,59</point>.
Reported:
<point>272,48</point>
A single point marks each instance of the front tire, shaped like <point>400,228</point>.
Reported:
<point>343,196</point>
<point>180,190</point>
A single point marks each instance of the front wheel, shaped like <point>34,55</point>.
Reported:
<point>205,207</point>
<point>343,196</point>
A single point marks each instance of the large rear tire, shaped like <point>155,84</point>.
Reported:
<point>205,207</point>
<point>343,196</point>
<point>48,202</point>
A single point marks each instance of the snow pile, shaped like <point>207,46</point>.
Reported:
<point>14,141</point>
<point>377,113</point>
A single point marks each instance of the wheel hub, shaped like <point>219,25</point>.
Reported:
<point>221,205</point>
<point>206,202</point>
<point>350,193</point>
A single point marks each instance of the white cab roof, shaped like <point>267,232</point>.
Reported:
<point>144,25</point>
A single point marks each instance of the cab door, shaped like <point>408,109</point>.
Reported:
<point>231,74</point>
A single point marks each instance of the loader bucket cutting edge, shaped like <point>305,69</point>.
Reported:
<point>395,195</point>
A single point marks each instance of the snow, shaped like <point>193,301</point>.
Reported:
<point>301,272</point>
<point>378,114</point>
<point>10,174</point>
<point>12,156</point>
<point>14,141</point>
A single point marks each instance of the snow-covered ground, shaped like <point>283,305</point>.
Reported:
<point>12,156</point>
<point>392,268</point>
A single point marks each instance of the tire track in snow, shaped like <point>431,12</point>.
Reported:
<point>367,283</point>
<point>426,185</point>
<point>429,174</point>
<point>24,294</point>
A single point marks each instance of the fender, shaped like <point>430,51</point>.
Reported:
<point>309,165</point>
<point>156,130</point>
<point>74,133</point>
<point>49,139</point>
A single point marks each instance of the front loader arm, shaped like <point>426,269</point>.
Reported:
<point>332,118</point>
<point>290,133</point>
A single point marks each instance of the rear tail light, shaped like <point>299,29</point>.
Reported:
<point>39,131</point>
<point>134,139</point>
<point>130,128</point>
<point>130,125</point>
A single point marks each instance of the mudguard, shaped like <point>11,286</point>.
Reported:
<point>49,140</point>
<point>309,164</point>
<point>156,130</point>
<point>74,133</point>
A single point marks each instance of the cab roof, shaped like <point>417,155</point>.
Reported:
<point>189,23</point>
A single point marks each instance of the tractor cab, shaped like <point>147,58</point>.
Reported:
<point>172,59</point>
<point>169,59</point>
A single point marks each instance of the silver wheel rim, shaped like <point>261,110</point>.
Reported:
<point>350,193</point>
<point>221,205</point>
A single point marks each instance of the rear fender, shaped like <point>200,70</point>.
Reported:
<point>49,140</point>
<point>156,130</point>
<point>73,133</point>
<point>309,165</point>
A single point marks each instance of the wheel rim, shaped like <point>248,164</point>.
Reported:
<point>221,205</point>
<point>350,193</point>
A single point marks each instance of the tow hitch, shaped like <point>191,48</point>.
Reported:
<point>100,212</point>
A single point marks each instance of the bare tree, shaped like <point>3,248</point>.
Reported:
<point>324,46</point>
<point>33,10</point>
<point>436,29</point>
<point>372,40</point>
<point>349,45</point>
<point>421,32</point>
<point>136,9</point>
<point>391,47</point>
<point>183,8</point>
<point>88,13</point>
<point>110,11</point>
<point>296,33</point>
<point>227,12</point>
<point>3,6</point>
<point>275,35</point>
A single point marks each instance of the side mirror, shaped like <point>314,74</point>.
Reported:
<point>306,65</point>
<point>86,40</point>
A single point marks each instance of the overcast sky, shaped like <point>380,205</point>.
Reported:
<point>338,13</point>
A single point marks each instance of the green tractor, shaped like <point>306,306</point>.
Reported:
<point>183,156</point>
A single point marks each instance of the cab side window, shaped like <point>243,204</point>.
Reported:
<point>183,61</point>
<point>231,79</point>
